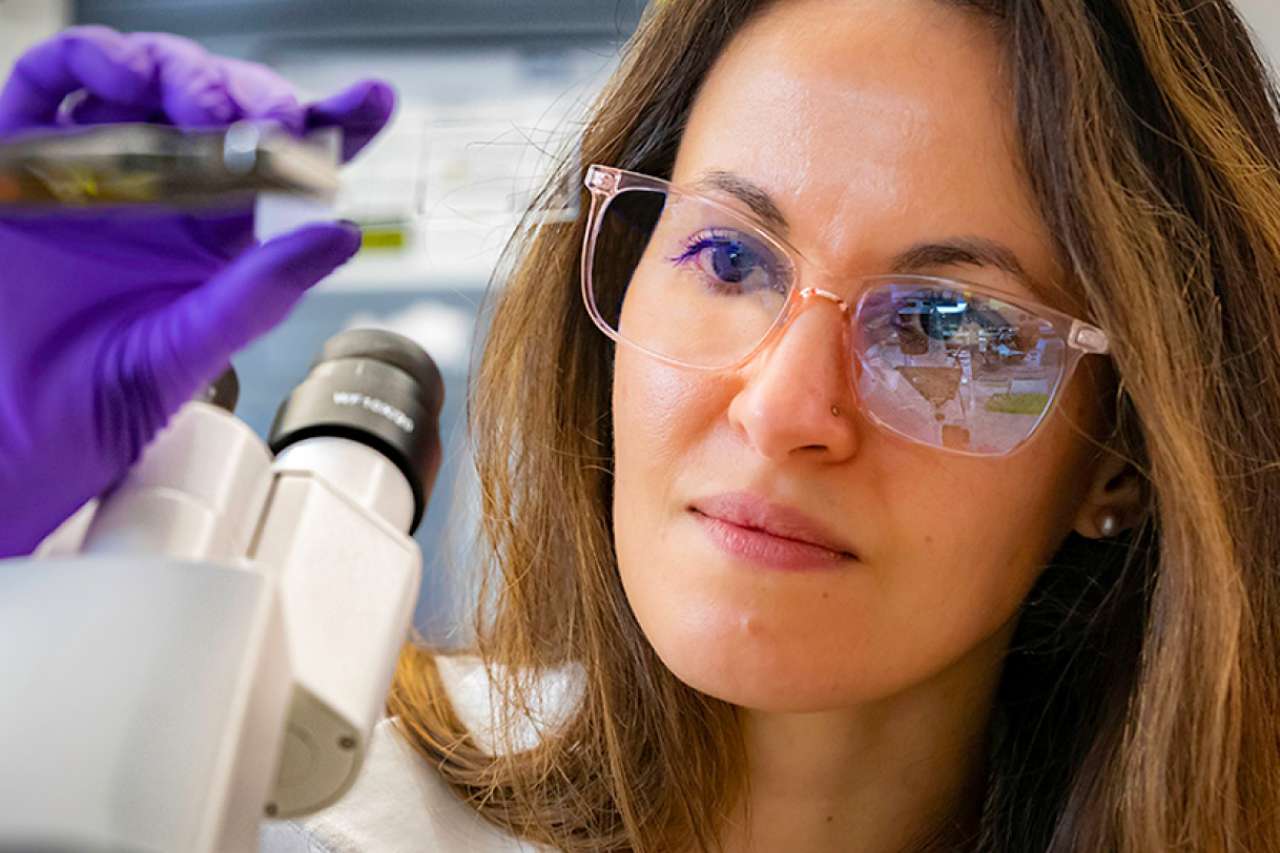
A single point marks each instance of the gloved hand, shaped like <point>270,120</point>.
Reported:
<point>109,324</point>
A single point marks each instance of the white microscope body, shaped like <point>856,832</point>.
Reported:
<point>220,648</point>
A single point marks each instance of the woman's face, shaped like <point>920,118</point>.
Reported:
<point>873,127</point>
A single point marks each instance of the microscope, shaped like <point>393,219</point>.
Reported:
<point>217,649</point>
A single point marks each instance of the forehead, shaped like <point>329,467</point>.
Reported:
<point>871,124</point>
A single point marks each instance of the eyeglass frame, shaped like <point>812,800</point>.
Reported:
<point>605,183</point>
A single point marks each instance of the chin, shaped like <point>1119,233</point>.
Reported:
<point>793,693</point>
<point>763,678</point>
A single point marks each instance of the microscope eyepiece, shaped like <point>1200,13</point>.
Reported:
<point>223,392</point>
<point>377,388</point>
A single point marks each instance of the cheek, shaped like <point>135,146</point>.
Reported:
<point>650,400</point>
<point>659,413</point>
<point>966,539</point>
<point>963,548</point>
<point>656,415</point>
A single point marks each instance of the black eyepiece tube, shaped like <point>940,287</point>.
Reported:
<point>380,389</point>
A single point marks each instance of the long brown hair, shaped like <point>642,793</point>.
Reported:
<point>1139,709</point>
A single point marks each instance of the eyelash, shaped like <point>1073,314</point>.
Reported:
<point>703,240</point>
<point>712,238</point>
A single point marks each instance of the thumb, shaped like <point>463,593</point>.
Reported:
<point>248,298</point>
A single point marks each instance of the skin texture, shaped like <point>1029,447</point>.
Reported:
<point>865,688</point>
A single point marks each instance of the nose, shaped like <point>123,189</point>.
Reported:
<point>796,395</point>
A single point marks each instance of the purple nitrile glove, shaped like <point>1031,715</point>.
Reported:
<point>109,323</point>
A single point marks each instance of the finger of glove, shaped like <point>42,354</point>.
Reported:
<point>97,59</point>
<point>261,93</point>
<point>204,328</point>
<point>361,110</point>
<point>92,109</point>
<point>199,89</point>
<point>187,88</point>
<point>180,82</point>
<point>192,87</point>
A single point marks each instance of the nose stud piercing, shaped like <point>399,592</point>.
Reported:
<point>1109,526</point>
<point>835,411</point>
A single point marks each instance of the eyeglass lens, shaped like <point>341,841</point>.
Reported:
<point>697,284</point>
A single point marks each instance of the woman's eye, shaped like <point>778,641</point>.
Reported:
<point>731,264</point>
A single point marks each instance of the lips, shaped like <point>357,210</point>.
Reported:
<point>755,513</point>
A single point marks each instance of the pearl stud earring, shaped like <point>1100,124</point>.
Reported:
<point>1109,526</point>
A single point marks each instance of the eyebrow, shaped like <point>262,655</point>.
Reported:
<point>760,202</point>
<point>968,250</point>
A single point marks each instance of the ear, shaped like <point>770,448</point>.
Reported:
<point>1116,490</point>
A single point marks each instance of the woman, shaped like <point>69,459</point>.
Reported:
<point>901,476</point>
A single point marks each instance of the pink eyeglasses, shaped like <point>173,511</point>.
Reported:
<point>693,282</point>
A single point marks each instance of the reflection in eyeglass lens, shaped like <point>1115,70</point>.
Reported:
<point>956,369</point>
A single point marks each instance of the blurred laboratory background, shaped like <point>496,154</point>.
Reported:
<point>491,92</point>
